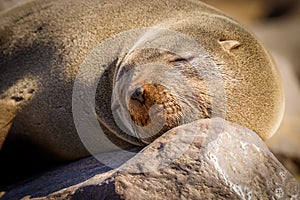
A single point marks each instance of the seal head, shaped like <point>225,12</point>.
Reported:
<point>158,90</point>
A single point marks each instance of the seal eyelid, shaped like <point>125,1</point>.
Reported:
<point>178,59</point>
<point>185,57</point>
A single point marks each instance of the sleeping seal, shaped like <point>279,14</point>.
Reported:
<point>143,91</point>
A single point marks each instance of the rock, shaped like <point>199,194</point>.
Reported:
<point>206,159</point>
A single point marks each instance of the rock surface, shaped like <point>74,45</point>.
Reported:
<point>207,159</point>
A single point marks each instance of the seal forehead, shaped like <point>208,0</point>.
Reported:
<point>148,55</point>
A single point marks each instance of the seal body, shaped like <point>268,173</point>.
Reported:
<point>43,43</point>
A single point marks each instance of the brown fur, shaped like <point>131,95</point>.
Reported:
<point>44,42</point>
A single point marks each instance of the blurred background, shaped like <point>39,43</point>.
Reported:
<point>277,25</point>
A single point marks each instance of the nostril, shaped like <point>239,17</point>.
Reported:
<point>138,94</point>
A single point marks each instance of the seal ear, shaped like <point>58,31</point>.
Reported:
<point>228,45</point>
<point>8,113</point>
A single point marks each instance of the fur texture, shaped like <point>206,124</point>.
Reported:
<point>43,43</point>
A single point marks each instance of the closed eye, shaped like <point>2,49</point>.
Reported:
<point>186,57</point>
<point>180,59</point>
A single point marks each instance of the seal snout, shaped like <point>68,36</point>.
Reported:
<point>143,99</point>
<point>138,94</point>
<point>154,109</point>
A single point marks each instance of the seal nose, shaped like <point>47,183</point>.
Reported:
<point>138,94</point>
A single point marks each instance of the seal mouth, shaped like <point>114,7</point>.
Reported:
<point>154,104</point>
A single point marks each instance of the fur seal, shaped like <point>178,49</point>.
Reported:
<point>43,43</point>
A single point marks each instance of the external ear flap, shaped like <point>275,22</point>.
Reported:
<point>228,45</point>
<point>7,115</point>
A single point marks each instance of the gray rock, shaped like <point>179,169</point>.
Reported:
<point>207,159</point>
